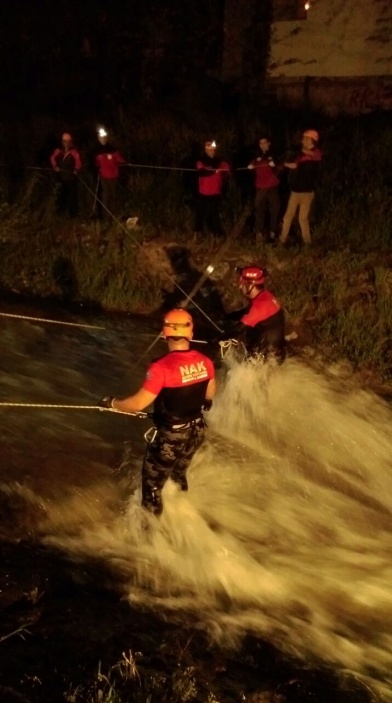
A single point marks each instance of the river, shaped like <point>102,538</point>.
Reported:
<point>273,573</point>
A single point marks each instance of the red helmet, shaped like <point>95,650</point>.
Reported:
<point>251,274</point>
<point>178,323</point>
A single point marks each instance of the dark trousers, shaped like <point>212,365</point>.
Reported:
<point>267,197</point>
<point>108,195</point>
<point>67,197</point>
<point>168,456</point>
<point>207,214</point>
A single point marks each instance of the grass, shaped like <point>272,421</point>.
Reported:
<point>125,682</point>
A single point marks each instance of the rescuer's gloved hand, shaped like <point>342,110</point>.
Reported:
<point>207,405</point>
<point>106,402</point>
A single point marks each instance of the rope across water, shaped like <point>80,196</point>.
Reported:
<point>72,407</point>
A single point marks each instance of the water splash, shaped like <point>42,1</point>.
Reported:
<point>286,531</point>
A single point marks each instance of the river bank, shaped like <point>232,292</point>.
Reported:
<point>337,300</point>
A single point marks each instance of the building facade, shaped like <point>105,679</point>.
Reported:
<point>334,55</point>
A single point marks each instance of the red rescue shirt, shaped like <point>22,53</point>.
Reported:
<point>263,306</point>
<point>265,176</point>
<point>108,164</point>
<point>211,172</point>
<point>68,162</point>
<point>180,380</point>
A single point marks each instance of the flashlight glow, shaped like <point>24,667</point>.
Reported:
<point>307,6</point>
<point>102,132</point>
<point>213,144</point>
<point>209,268</point>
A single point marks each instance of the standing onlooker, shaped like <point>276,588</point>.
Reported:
<point>211,170</point>
<point>267,190</point>
<point>107,160</point>
<point>304,172</point>
<point>67,164</point>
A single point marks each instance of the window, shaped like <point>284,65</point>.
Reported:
<point>289,10</point>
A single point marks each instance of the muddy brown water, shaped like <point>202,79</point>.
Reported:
<point>64,614</point>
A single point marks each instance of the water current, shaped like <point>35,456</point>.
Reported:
<point>286,531</point>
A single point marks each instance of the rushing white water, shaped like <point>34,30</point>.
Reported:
<point>286,530</point>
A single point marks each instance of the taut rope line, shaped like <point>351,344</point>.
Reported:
<point>72,407</point>
<point>128,232</point>
<point>54,322</point>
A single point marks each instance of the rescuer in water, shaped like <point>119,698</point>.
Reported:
<point>181,384</point>
<point>259,327</point>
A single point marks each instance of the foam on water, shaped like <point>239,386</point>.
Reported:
<point>286,530</point>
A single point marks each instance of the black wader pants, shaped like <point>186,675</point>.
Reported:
<point>168,456</point>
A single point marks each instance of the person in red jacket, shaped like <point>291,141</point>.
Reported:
<point>66,162</point>
<point>267,190</point>
<point>107,160</point>
<point>181,384</point>
<point>259,327</point>
<point>211,171</point>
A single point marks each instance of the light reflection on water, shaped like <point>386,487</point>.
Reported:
<point>286,529</point>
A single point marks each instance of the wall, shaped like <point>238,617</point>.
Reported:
<point>338,59</point>
<point>340,38</point>
<point>335,95</point>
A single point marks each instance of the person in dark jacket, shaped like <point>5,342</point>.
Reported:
<point>181,384</point>
<point>259,327</point>
<point>210,170</point>
<point>66,162</point>
<point>304,173</point>
<point>267,190</point>
<point>107,160</point>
